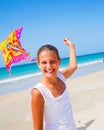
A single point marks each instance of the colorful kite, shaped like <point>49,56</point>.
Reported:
<point>12,49</point>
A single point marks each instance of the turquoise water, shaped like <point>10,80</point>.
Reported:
<point>33,68</point>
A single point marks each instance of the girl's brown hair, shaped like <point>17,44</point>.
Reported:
<point>48,47</point>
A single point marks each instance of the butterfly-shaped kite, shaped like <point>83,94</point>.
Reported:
<point>12,49</point>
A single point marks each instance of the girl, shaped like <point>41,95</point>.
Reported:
<point>51,109</point>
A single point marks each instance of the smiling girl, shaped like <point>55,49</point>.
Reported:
<point>50,103</point>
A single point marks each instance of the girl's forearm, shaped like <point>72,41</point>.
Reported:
<point>68,71</point>
<point>73,62</point>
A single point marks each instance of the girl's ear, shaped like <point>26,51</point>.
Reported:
<point>38,64</point>
<point>59,60</point>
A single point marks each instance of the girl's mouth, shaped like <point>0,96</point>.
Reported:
<point>49,71</point>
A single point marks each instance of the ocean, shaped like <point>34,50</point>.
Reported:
<point>27,75</point>
<point>32,68</point>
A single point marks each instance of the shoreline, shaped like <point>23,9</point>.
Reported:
<point>25,75</point>
<point>86,94</point>
<point>19,83</point>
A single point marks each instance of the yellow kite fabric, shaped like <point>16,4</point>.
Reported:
<point>12,49</point>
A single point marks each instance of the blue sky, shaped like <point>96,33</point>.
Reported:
<point>50,21</point>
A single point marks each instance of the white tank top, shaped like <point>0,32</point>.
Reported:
<point>57,111</point>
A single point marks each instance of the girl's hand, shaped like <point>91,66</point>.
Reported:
<point>68,42</point>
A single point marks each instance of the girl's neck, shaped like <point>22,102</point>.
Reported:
<point>55,85</point>
<point>49,80</point>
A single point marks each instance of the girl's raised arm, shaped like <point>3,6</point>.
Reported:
<point>68,71</point>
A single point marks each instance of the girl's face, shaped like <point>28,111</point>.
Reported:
<point>48,63</point>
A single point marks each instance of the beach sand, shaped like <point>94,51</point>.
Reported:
<point>87,99</point>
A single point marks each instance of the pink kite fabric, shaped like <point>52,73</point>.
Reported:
<point>12,49</point>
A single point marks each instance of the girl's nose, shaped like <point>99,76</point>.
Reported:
<point>48,65</point>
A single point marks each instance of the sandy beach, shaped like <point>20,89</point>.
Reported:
<point>86,93</point>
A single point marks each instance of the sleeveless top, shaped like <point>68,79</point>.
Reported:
<point>57,110</point>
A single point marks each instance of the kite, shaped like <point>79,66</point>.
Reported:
<point>12,50</point>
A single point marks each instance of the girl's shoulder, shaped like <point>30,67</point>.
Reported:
<point>38,86</point>
<point>41,89</point>
<point>61,76</point>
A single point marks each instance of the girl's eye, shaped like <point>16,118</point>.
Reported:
<point>43,62</point>
<point>53,62</point>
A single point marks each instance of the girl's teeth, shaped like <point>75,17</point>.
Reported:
<point>50,71</point>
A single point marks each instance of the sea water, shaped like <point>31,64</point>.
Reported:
<point>27,75</point>
<point>32,68</point>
